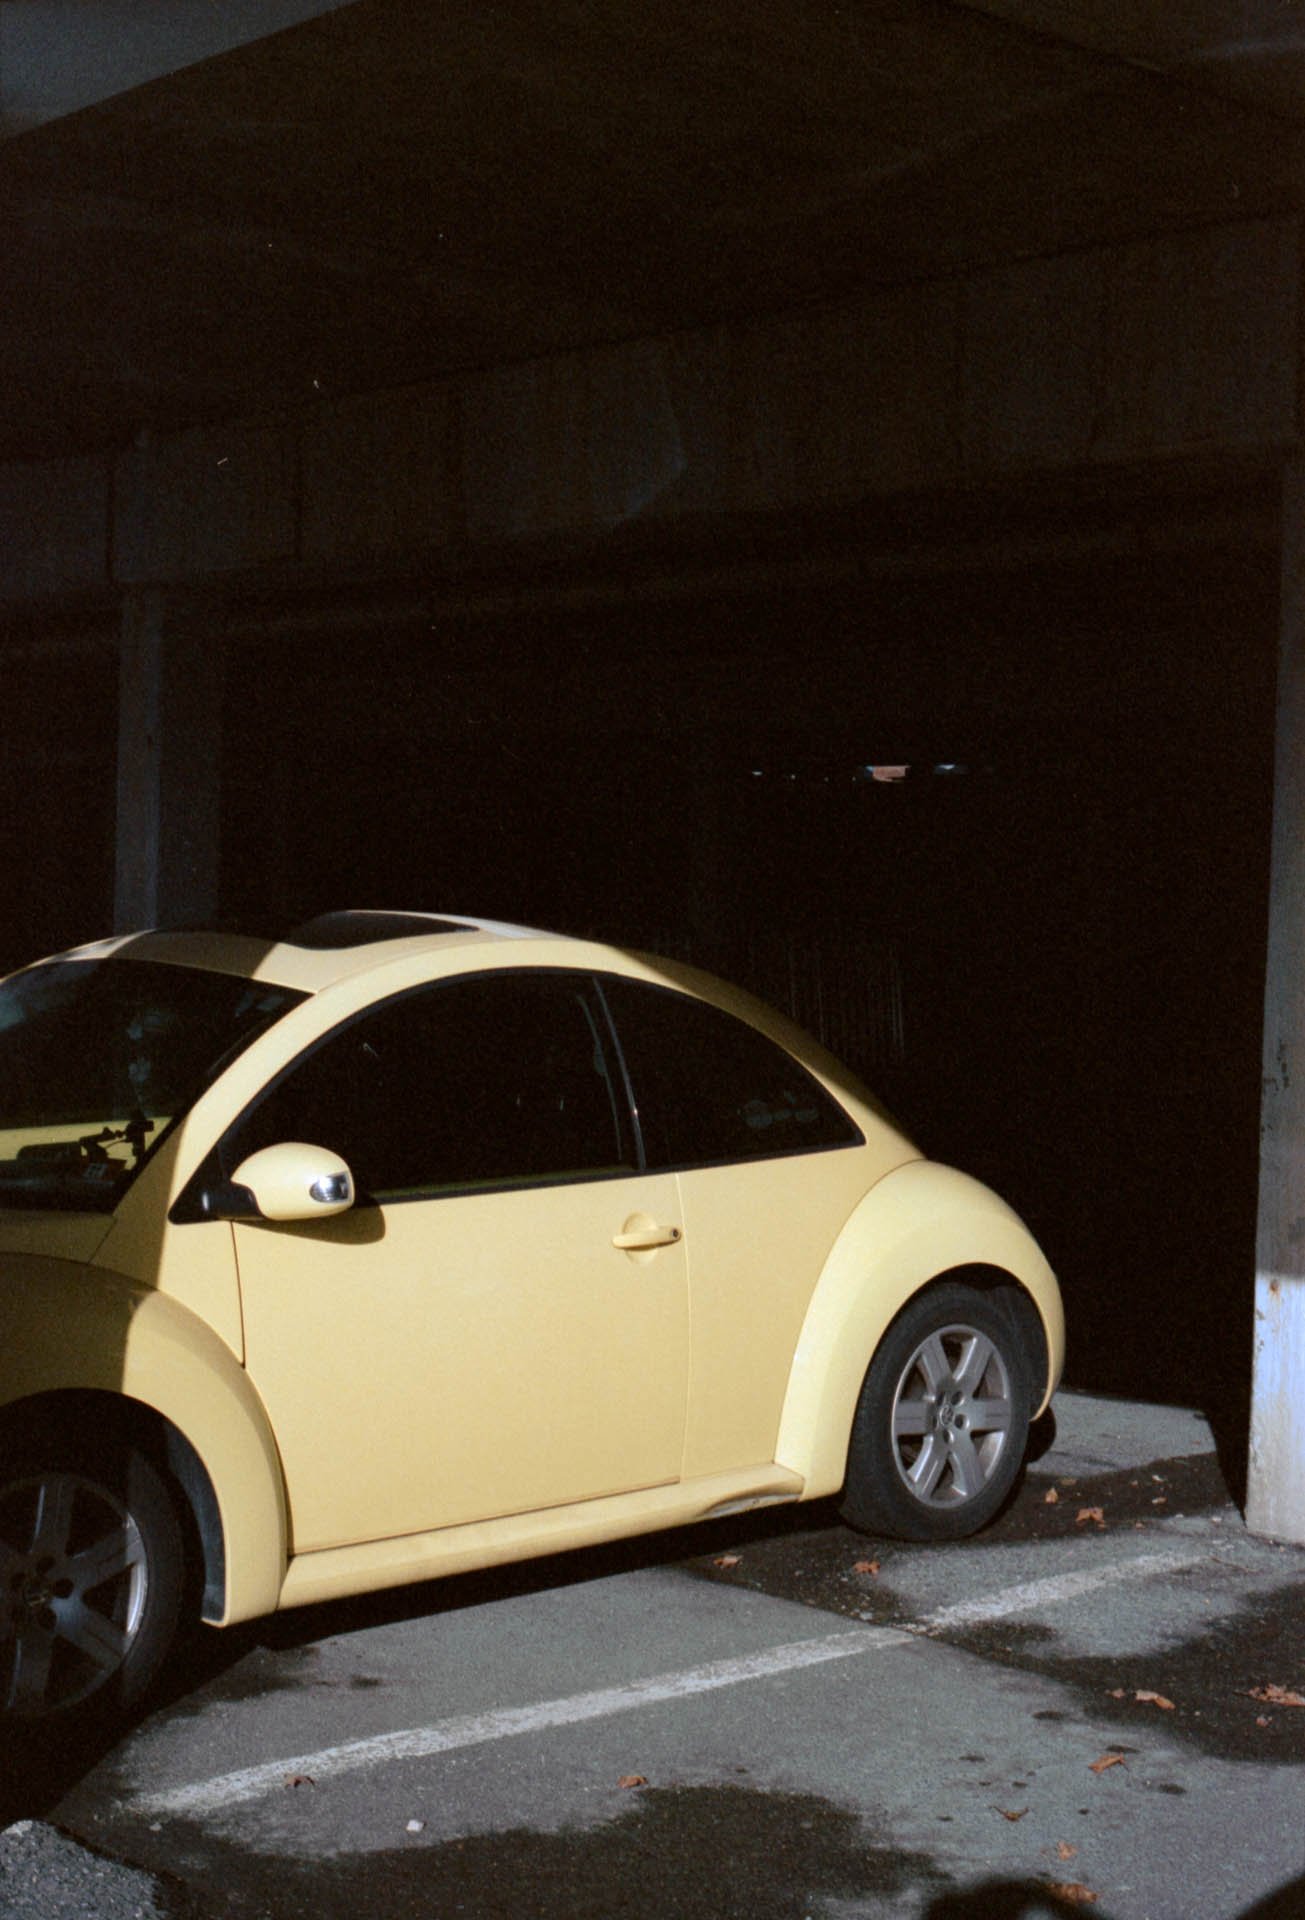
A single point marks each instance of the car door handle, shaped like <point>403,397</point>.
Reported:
<point>643,1238</point>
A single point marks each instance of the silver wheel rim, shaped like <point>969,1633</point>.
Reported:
<point>73,1585</point>
<point>952,1416</point>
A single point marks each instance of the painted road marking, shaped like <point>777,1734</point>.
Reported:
<point>1057,1587</point>
<point>208,1797</point>
<point>474,1729</point>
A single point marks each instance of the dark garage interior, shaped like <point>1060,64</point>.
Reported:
<point>816,492</point>
<point>1043,944</point>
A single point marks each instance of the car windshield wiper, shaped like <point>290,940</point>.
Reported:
<point>95,1145</point>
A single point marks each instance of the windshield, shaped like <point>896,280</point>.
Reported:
<point>99,1057</point>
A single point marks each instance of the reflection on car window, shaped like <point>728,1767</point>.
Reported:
<point>98,1057</point>
<point>709,1089</point>
<point>487,1081</point>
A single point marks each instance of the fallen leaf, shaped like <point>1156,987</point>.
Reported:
<point>1064,1851</point>
<point>1106,1761</point>
<point>1096,1515</point>
<point>867,1566</point>
<point>1118,1693</point>
<point>1017,1814</point>
<point>416,1826</point>
<point>1155,1700</point>
<point>1073,1892</point>
<point>727,1560</point>
<point>1050,1498</point>
<point>1274,1696</point>
<point>1264,1719</point>
<point>301,1780</point>
<point>1161,1500</point>
<point>632,1780</point>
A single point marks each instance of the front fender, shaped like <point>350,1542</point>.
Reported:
<point>920,1221</point>
<point>72,1328</point>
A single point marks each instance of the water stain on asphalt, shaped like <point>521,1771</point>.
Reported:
<point>723,1852</point>
<point>1211,1677</point>
<point>1211,1680</point>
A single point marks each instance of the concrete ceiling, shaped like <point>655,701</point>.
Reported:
<point>390,190</point>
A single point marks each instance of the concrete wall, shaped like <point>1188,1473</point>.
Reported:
<point>1169,346</point>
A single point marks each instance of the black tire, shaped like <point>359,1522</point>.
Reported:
<point>92,1577</point>
<point>942,1424</point>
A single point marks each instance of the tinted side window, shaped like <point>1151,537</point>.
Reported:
<point>490,1080</point>
<point>708,1088</point>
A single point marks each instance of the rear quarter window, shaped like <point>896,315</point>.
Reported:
<point>708,1089</point>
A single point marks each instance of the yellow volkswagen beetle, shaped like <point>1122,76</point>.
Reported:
<point>395,1245</point>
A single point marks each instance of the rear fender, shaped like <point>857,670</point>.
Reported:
<point>919,1222</point>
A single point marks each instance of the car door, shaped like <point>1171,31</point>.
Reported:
<point>470,1340</point>
<point>769,1168</point>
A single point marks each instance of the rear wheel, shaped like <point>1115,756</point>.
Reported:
<point>91,1580</point>
<point>942,1423</point>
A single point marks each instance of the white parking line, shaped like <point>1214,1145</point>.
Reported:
<point>207,1797</point>
<point>474,1729</point>
<point>1057,1587</point>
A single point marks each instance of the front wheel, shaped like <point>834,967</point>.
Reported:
<point>91,1580</point>
<point>942,1423</point>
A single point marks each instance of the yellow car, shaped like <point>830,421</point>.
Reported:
<point>395,1245</point>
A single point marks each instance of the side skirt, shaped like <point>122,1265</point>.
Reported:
<point>337,1571</point>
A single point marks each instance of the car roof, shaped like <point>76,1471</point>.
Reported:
<point>317,952</point>
<point>335,947</point>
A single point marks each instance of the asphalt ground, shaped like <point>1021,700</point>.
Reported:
<point>1091,1708</point>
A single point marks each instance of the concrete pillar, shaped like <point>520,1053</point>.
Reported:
<point>1276,1477</point>
<point>169,745</point>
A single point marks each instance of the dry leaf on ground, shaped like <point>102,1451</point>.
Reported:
<point>727,1560</point>
<point>1064,1851</point>
<point>1106,1761</point>
<point>632,1780</point>
<point>866,1566</point>
<point>1154,1700</point>
<point>1090,1515</point>
<point>300,1780</point>
<point>1016,1813</point>
<point>1073,1892</point>
<point>1274,1696</point>
<point>1050,1498</point>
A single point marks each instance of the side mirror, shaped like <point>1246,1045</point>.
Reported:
<point>291,1181</point>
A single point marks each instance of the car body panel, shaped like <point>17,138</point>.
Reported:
<point>117,1337</point>
<point>194,1265</point>
<point>757,1237</point>
<point>438,1361</point>
<point>921,1221</point>
<point>56,1236</point>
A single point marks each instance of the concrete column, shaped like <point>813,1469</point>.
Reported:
<point>1276,1478</point>
<point>169,745</point>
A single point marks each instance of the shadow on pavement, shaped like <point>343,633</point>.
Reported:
<point>1041,1900</point>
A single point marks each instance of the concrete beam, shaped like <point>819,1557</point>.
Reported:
<point>1183,346</point>
<point>58,56</point>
